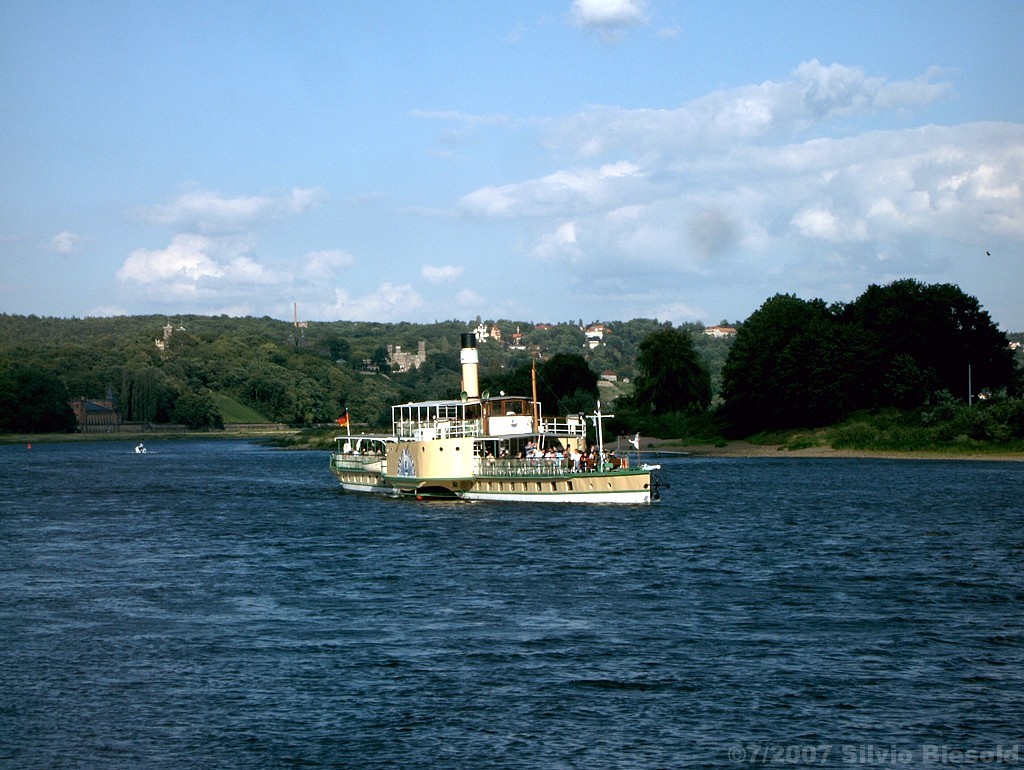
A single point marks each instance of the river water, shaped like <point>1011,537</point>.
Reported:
<point>223,604</point>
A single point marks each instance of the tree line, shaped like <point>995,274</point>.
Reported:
<point>793,363</point>
<point>211,369</point>
<point>796,363</point>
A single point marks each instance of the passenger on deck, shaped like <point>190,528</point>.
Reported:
<point>574,459</point>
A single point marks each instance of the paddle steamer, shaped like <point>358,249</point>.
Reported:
<point>483,447</point>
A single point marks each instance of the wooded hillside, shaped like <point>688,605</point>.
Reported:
<point>793,363</point>
<point>196,369</point>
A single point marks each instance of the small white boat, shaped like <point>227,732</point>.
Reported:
<point>483,447</point>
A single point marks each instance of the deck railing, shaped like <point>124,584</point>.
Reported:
<point>345,461</point>
<point>517,468</point>
<point>563,426</point>
<point>420,430</point>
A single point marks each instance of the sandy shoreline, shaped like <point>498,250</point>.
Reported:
<point>735,449</point>
<point>746,449</point>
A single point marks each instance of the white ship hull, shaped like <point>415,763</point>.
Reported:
<point>483,448</point>
<point>459,469</point>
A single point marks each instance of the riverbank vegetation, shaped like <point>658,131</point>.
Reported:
<point>907,366</point>
<point>948,428</point>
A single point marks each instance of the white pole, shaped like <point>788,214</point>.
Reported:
<point>598,419</point>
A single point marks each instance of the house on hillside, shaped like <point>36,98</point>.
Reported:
<point>484,332</point>
<point>595,334</point>
<point>96,415</point>
<point>719,331</point>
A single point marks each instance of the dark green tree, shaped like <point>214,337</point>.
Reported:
<point>197,410</point>
<point>924,337</point>
<point>565,383</point>
<point>794,364</point>
<point>671,375</point>
<point>145,395</point>
<point>380,359</point>
<point>269,390</point>
<point>338,348</point>
<point>33,400</point>
<point>566,376</point>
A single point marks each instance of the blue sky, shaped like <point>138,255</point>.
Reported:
<point>539,161</point>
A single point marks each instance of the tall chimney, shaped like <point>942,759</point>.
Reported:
<point>470,360</point>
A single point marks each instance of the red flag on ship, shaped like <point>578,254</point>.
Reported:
<point>343,420</point>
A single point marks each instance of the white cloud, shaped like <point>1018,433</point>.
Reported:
<point>435,274</point>
<point>65,242</point>
<point>902,178</point>
<point>741,192</point>
<point>562,191</point>
<point>812,95</point>
<point>559,244</point>
<point>245,270</point>
<point>823,224</point>
<point>191,259</point>
<point>513,37</point>
<point>469,299</point>
<point>301,198</point>
<point>609,18</point>
<point>210,212</point>
<point>107,311</point>
<point>724,188</point>
<point>213,263</point>
<point>387,302</point>
<point>185,258</point>
<point>324,264</point>
<point>679,312</point>
<point>461,130</point>
<point>455,116</point>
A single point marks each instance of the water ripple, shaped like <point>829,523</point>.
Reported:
<point>224,605</point>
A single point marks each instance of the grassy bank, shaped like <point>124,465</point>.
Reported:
<point>309,438</point>
<point>947,430</point>
<point>149,435</point>
<point>943,429</point>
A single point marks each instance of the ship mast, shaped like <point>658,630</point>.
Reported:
<point>598,419</point>
<point>536,406</point>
